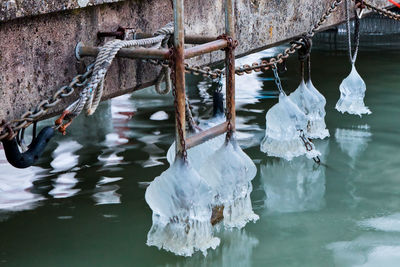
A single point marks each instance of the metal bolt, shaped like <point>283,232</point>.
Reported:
<point>118,34</point>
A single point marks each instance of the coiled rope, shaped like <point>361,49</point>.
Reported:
<point>90,96</point>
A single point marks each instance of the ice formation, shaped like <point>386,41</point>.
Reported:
<point>352,92</point>
<point>317,127</point>
<point>312,104</point>
<point>229,172</point>
<point>218,173</point>
<point>180,200</point>
<point>198,154</point>
<point>285,122</point>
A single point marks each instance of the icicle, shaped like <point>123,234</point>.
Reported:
<point>284,123</point>
<point>180,200</point>
<point>352,92</point>
<point>229,172</point>
<point>352,88</point>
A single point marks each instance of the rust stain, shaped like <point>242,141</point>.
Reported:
<point>217,215</point>
<point>270,31</point>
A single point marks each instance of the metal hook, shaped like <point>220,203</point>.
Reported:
<point>35,149</point>
<point>20,137</point>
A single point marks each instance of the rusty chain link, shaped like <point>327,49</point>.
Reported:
<point>10,129</point>
<point>382,11</point>
<point>265,65</point>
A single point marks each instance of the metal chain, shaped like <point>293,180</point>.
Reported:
<point>352,56</point>
<point>307,143</point>
<point>267,64</point>
<point>382,11</point>
<point>10,129</point>
<point>278,80</point>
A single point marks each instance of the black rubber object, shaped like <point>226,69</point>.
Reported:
<point>36,148</point>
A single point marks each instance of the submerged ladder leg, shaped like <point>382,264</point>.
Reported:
<point>230,67</point>
<point>179,77</point>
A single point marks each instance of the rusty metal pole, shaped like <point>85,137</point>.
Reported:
<point>230,65</point>
<point>179,72</point>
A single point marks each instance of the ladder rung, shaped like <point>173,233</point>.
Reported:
<point>206,135</point>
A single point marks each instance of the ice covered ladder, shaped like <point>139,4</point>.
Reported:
<point>205,45</point>
<point>181,54</point>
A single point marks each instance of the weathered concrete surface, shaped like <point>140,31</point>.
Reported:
<point>37,53</point>
<point>12,9</point>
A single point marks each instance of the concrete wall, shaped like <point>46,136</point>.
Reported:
<point>37,40</point>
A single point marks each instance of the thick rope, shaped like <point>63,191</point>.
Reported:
<point>91,95</point>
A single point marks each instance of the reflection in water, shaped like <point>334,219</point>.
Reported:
<point>107,194</point>
<point>64,186</point>
<point>353,141</point>
<point>380,247</point>
<point>236,250</point>
<point>296,185</point>
<point>16,186</point>
<point>64,156</point>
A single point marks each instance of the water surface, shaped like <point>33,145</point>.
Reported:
<point>83,205</point>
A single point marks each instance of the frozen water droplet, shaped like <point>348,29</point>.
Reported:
<point>352,92</point>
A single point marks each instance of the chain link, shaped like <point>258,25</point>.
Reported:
<point>278,59</point>
<point>382,11</point>
<point>10,129</point>
<point>309,147</point>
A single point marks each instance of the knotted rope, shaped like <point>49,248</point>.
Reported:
<point>90,96</point>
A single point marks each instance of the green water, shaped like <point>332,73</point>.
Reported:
<point>83,205</point>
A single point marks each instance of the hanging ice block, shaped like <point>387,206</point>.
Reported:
<point>181,203</point>
<point>229,172</point>
<point>352,92</point>
<point>198,154</point>
<point>310,104</point>
<point>317,127</point>
<point>284,121</point>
